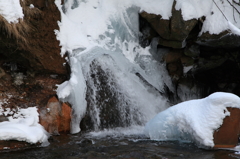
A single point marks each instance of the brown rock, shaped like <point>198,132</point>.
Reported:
<point>65,118</point>
<point>227,135</point>
<point>192,51</point>
<point>2,72</point>
<point>55,117</point>
<point>32,42</point>
<point>174,63</point>
<point>173,32</point>
<point>224,40</point>
<point>173,55</point>
<point>175,69</point>
<point>187,61</point>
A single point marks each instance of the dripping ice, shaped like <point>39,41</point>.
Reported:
<point>110,60</point>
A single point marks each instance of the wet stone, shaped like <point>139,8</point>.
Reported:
<point>15,145</point>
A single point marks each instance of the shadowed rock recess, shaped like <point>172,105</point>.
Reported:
<point>209,62</point>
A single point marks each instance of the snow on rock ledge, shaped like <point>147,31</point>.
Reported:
<point>11,10</point>
<point>23,126</point>
<point>194,120</point>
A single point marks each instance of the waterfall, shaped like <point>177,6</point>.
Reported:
<point>114,81</point>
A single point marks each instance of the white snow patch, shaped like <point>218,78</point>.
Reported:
<point>95,25</point>
<point>194,120</point>
<point>186,69</point>
<point>31,6</point>
<point>11,10</point>
<point>23,126</point>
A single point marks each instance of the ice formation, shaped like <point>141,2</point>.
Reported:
<point>108,30</point>
<point>194,120</point>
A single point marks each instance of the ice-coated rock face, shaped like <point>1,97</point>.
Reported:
<point>194,120</point>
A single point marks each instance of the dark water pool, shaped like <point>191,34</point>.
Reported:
<point>131,147</point>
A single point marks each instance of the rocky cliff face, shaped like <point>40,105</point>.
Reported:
<point>31,42</point>
<point>207,61</point>
<point>31,65</point>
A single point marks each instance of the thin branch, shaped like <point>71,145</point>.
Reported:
<point>238,3</point>
<point>234,6</point>
<point>220,10</point>
<point>234,16</point>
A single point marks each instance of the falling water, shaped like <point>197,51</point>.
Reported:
<point>114,81</point>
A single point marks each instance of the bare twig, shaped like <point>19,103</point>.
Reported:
<point>238,3</point>
<point>234,6</point>
<point>220,10</point>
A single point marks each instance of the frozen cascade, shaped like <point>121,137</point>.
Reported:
<point>114,82</point>
<point>115,94</point>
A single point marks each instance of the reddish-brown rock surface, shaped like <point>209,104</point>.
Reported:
<point>22,90</point>
<point>32,42</point>
<point>55,117</point>
<point>227,135</point>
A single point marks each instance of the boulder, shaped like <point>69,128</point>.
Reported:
<point>55,117</point>
<point>176,61</point>
<point>227,135</point>
<point>192,51</point>
<point>172,32</point>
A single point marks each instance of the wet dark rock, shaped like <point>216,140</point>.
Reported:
<point>173,55</point>
<point>2,72</point>
<point>147,33</point>
<point>225,39</point>
<point>192,51</point>
<point>11,145</point>
<point>106,100</point>
<point>3,118</point>
<point>172,32</point>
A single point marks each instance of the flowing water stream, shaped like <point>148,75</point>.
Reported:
<point>89,146</point>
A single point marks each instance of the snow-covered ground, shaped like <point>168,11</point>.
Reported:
<point>22,125</point>
<point>194,120</point>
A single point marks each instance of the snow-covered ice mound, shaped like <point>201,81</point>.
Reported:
<point>194,120</point>
<point>23,126</point>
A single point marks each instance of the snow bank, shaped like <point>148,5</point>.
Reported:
<point>193,120</point>
<point>11,10</point>
<point>23,126</point>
